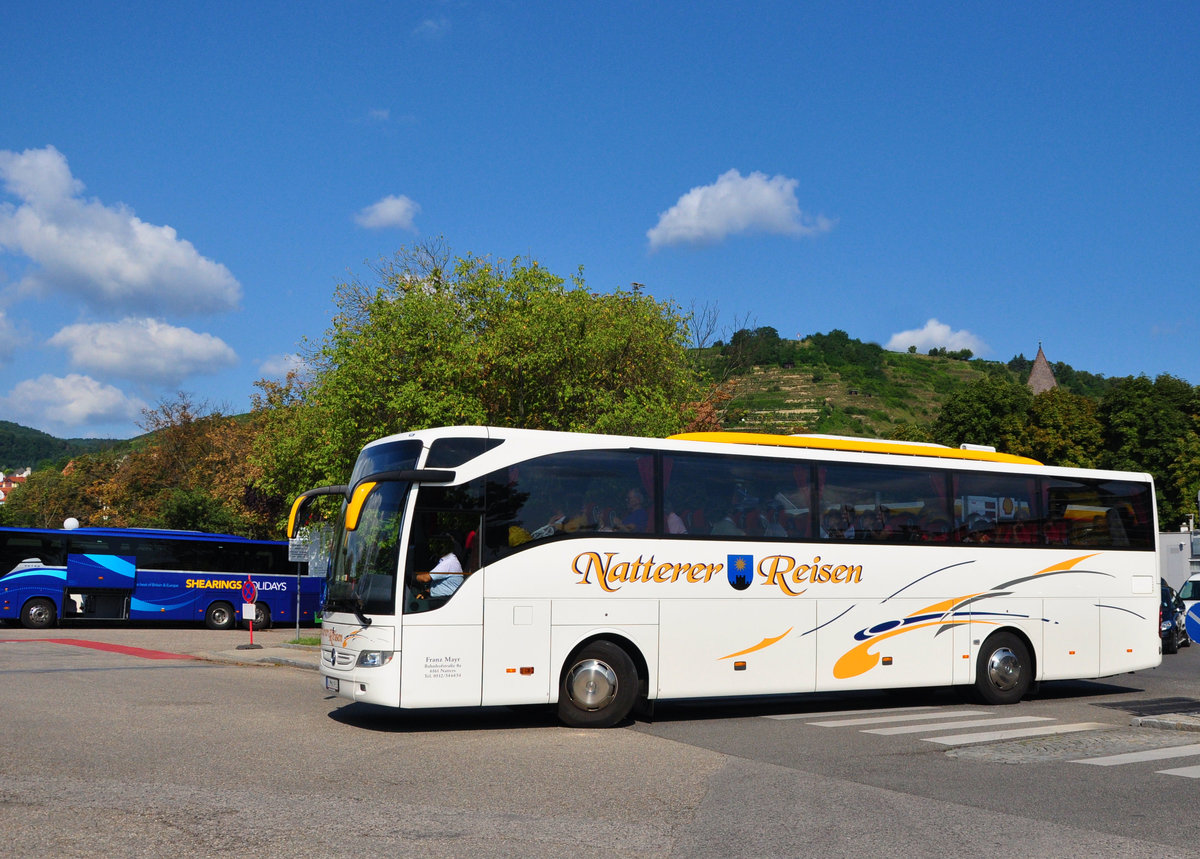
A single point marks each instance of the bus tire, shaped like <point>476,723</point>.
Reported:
<point>1004,671</point>
<point>220,616</point>
<point>262,616</point>
<point>39,613</point>
<point>598,687</point>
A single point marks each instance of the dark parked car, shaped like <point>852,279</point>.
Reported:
<point>1171,621</point>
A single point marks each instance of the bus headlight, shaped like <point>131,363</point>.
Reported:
<point>375,658</point>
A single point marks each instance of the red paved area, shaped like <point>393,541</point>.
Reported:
<point>140,652</point>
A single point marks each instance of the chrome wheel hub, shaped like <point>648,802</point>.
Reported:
<point>1004,669</point>
<point>592,684</point>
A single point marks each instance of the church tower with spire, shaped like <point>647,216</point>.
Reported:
<point>1041,377</point>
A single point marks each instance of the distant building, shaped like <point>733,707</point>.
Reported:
<point>1041,377</point>
<point>8,482</point>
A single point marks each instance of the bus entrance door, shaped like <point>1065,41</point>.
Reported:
<point>441,652</point>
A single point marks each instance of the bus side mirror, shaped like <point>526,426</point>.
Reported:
<point>357,500</point>
<point>302,502</point>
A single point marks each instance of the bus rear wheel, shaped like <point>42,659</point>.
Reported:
<point>598,687</point>
<point>220,616</point>
<point>1004,672</point>
<point>262,616</point>
<point>38,613</point>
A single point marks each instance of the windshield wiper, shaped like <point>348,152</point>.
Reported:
<point>362,618</point>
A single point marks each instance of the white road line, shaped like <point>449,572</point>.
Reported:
<point>819,715</point>
<point>1145,755</point>
<point>988,736</point>
<point>1186,772</point>
<point>883,720</point>
<point>967,723</point>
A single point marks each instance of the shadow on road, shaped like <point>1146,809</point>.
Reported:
<point>383,719</point>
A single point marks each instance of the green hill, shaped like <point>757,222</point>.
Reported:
<point>22,447</point>
<point>831,383</point>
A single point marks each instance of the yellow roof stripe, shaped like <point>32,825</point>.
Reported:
<point>864,445</point>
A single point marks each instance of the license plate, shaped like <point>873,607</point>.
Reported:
<point>331,684</point>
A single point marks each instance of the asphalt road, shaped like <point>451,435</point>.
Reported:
<point>109,751</point>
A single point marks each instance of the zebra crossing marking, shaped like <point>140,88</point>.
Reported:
<point>1186,772</point>
<point>882,720</point>
<point>1016,733</point>
<point>966,723</point>
<point>928,718</point>
<point>1144,755</point>
<point>822,715</point>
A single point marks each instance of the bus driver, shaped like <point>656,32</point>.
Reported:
<point>443,580</point>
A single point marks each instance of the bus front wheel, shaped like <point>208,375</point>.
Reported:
<point>1004,672</point>
<point>38,614</point>
<point>220,616</point>
<point>598,688</point>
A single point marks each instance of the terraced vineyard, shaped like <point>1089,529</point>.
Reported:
<point>906,389</point>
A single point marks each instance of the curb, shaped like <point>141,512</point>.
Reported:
<point>1168,722</point>
<point>239,659</point>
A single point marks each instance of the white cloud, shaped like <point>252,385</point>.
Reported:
<point>735,204</point>
<point>391,211</point>
<point>936,334</point>
<point>147,350</point>
<point>432,28</point>
<point>9,339</point>
<point>70,401</point>
<point>278,366</point>
<point>105,254</point>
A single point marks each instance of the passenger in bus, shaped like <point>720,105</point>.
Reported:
<point>772,527</point>
<point>587,519</point>
<point>554,524</point>
<point>728,525</point>
<point>901,528</point>
<point>836,523</point>
<point>870,524</point>
<point>935,530</point>
<point>636,517</point>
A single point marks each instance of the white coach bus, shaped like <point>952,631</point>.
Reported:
<point>477,566</point>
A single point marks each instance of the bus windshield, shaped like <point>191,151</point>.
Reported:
<point>362,575</point>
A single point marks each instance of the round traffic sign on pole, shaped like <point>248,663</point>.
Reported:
<point>249,591</point>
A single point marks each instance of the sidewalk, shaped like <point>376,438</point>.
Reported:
<point>292,655</point>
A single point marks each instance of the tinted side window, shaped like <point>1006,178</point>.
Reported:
<point>737,496</point>
<point>875,502</point>
<point>16,547</point>
<point>444,541</point>
<point>569,493</point>
<point>1113,513</point>
<point>997,508</point>
<point>453,452</point>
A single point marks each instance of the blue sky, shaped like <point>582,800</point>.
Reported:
<point>183,185</point>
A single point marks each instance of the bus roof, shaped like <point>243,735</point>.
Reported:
<point>164,533</point>
<point>858,445</point>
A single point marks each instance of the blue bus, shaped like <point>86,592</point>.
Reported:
<point>145,575</point>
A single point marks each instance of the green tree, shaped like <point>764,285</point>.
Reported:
<point>1152,427</point>
<point>989,411</point>
<point>190,471</point>
<point>433,342</point>
<point>1063,429</point>
<point>759,347</point>
<point>53,494</point>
